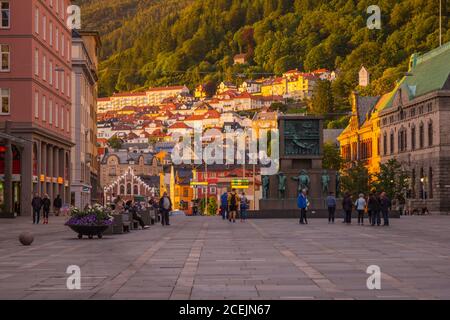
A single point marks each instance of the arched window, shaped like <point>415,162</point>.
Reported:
<point>135,189</point>
<point>122,189</point>
<point>385,144</point>
<point>129,188</point>
<point>430,134</point>
<point>413,138</point>
<point>421,136</point>
<point>391,143</point>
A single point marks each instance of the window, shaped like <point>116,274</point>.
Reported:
<point>56,115</point>
<point>68,85</point>
<point>413,138</point>
<point>50,73</point>
<point>67,121</point>
<point>44,106</point>
<point>429,107</point>
<point>50,112</point>
<point>62,118</point>
<point>36,62</point>
<point>62,45</point>
<point>57,39</point>
<point>36,20</point>
<point>413,112</point>
<point>4,93</point>
<point>430,134</point>
<point>391,142</point>
<point>56,79</point>
<point>62,81</point>
<point>5,14</point>
<point>5,57</point>
<point>44,27</point>
<point>36,104</point>
<point>51,34</point>
<point>44,68</point>
<point>421,136</point>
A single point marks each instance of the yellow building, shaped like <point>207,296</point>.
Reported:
<point>274,87</point>
<point>200,92</point>
<point>360,141</point>
<point>264,121</point>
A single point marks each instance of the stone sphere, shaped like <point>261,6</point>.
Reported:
<point>26,238</point>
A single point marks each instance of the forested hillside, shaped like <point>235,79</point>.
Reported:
<point>163,42</point>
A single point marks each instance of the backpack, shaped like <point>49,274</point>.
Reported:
<point>233,200</point>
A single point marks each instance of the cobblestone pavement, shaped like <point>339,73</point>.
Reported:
<point>207,258</point>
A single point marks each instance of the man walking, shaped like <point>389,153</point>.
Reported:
<point>46,208</point>
<point>360,205</point>
<point>385,204</point>
<point>165,206</point>
<point>331,204</point>
<point>224,205</point>
<point>302,204</point>
<point>36,203</point>
<point>57,204</point>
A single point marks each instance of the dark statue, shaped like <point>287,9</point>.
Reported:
<point>325,182</point>
<point>303,181</point>
<point>281,185</point>
<point>266,186</point>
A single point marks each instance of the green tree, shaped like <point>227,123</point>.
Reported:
<point>322,101</point>
<point>355,179</point>
<point>115,142</point>
<point>332,159</point>
<point>392,179</point>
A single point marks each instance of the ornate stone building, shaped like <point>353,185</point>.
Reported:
<point>415,129</point>
<point>115,164</point>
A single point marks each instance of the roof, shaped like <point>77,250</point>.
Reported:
<point>170,88</point>
<point>365,106</point>
<point>240,56</point>
<point>427,73</point>
<point>128,94</point>
<point>179,125</point>
<point>124,156</point>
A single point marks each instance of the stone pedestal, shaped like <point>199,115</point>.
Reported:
<point>301,148</point>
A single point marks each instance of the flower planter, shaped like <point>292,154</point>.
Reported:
<point>89,231</point>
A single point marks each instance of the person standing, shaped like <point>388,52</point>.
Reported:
<point>243,207</point>
<point>46,208</point>
<point>331,204</point>
<point>385,205</point>
<point>57,205</point>
<point>36,203</point>
<point>233,204</point>
<point>360,205</point>
<point>302,204</point>
<point>165,206</point>
<point>347,206</point>
<point>224,204</point>
<point>374,208</point>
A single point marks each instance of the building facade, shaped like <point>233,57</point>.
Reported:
<point>115,164</point>
<point>35,84</point>
<point>415,130</point>
<point>85,164</point>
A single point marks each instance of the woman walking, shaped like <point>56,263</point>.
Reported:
<point>46,208</point>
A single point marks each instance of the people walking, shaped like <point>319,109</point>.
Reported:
<point>57,205</point>
<point>45,208</point>
<point>331,204</point>
<point>374,209</point>
<point>385,205</point>
<point>302,204</point>
<point>224,204</point>
<point>165,206</point>
<point>360,205</point>
<point>233,205</point>
<point>347,206</point>
<point>36,203</point>
<point>243,207</point>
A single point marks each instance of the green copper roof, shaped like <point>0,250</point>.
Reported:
<point>428,72</point>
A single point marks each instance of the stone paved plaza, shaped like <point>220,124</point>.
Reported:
<point>207,258</point>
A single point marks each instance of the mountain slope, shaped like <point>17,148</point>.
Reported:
<point>163,42</point>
